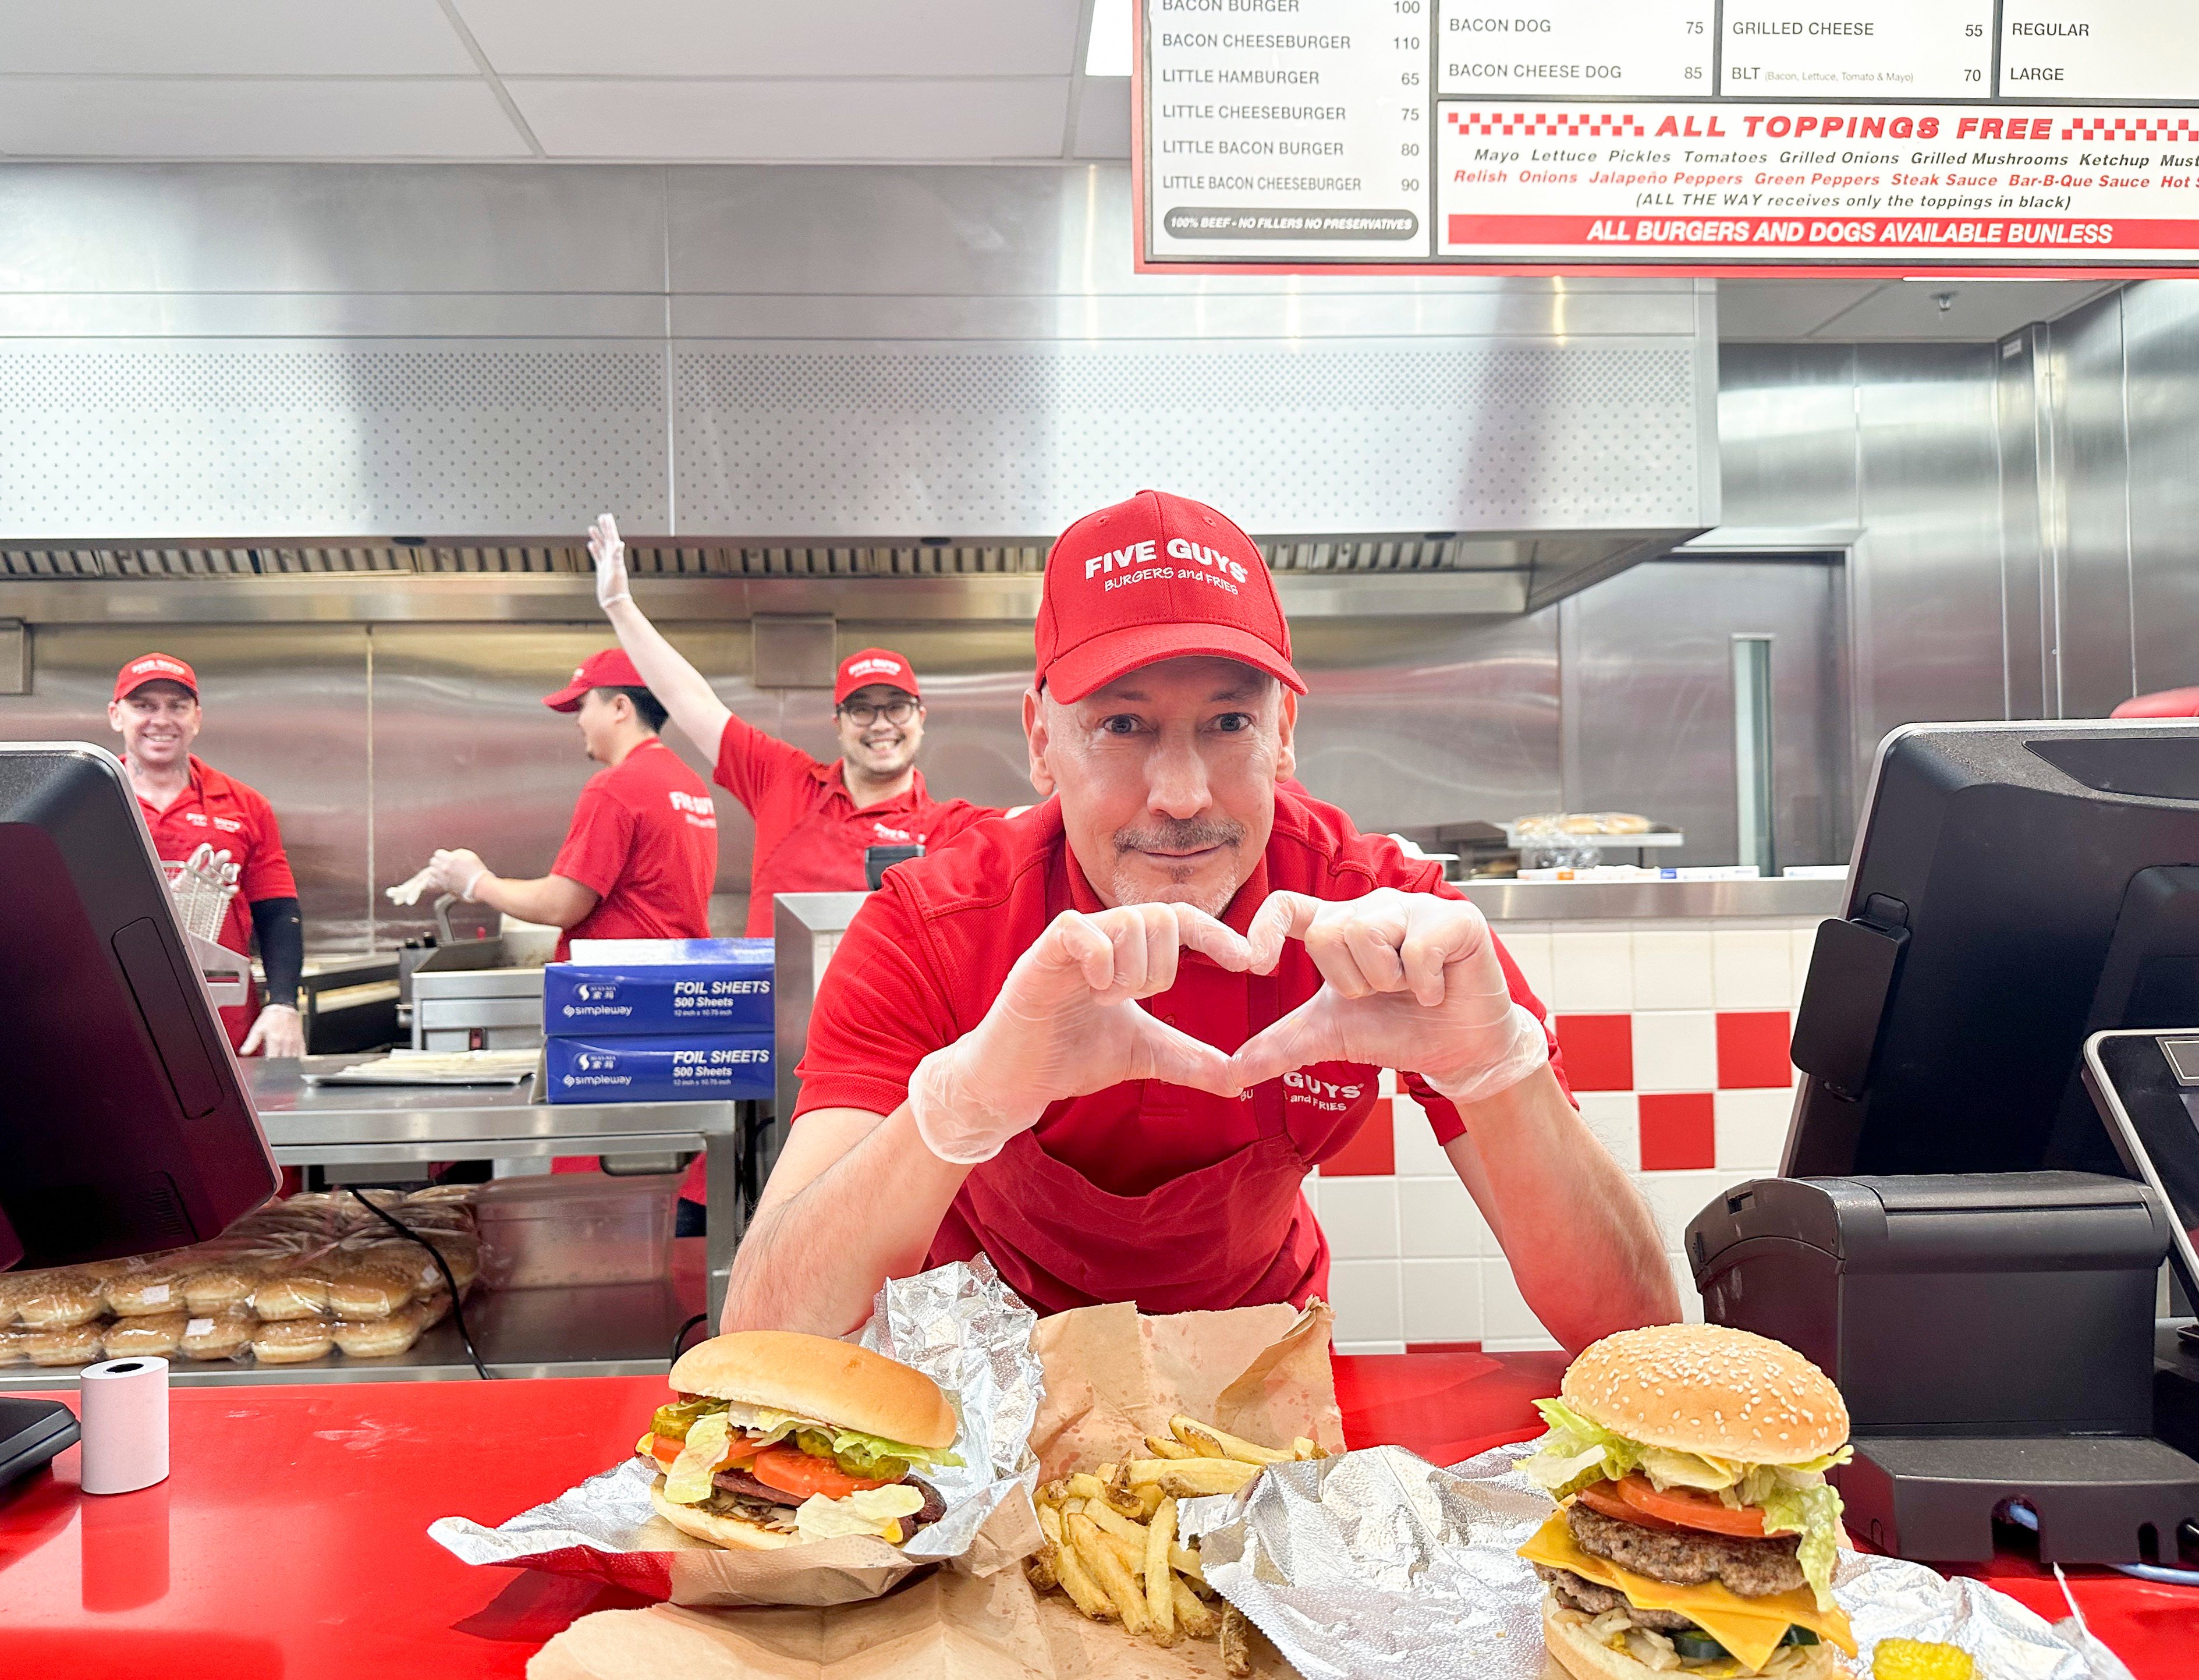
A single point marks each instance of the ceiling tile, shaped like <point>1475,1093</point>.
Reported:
<point>823,121</point>
<point>231,38</point>
<point>1103,118</point>
<point>772,38</point>
<point>1977,312</point>
<point>90,116</point>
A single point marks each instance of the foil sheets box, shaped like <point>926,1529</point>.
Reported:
<point>641,986</point>
<point>690,1067</point>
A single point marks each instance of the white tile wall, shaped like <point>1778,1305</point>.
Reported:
<point>1436,1220</point>
<point>1442,1300</point>
<point>1752,1130</point>
<point>1418,1153</point>
<point>1676,1050</point>
<point>1366,1296</point>
<point>1672,968</point>
<point>1506,1321</point>
<point>1529,942</point>
<point>1361,1217</point>
<point>1591,968</point>
<point>1615,1117</point>
<point>1754,968</point>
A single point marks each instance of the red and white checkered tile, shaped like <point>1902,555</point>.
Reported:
<point>1675,1036</point>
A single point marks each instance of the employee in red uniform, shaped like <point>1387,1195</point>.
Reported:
<point>640,856</point>
<point>1104,1041</point>
<point>813,821</point>
<point>188,803</point>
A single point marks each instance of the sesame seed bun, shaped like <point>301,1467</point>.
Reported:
<point>816,1377</point>
<point>1703,1388</point>
<point>1579,1656</point>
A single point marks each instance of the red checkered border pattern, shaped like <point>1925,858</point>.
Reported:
<point>1619,124</point>
<point>2156,131</point>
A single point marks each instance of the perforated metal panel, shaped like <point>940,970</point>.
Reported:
<point>254,439</point>
<point>1532,437</point>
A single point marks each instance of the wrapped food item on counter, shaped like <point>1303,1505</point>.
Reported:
<point>151,1291</point>
<point>15,1347</point>
<point>292,1341</point>
<point>154,1335</point>
<point>371,1282</point>
<point>381,1338</point>
<point>298,1288</point>
<point>59,1300</point>
<point>227,1283</point>
<point>64,1345</point>
<point>225,1334</point>
<point>433,1309</point>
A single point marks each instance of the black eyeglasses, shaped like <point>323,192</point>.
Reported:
<point>863,716</point>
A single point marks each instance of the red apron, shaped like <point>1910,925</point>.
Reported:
<point>1235,1234</point>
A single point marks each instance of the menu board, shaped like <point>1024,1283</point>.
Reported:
<point>1674,136</point>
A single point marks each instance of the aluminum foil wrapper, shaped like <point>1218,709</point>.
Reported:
<point>1377,1563</point>
<point>961,1327</point>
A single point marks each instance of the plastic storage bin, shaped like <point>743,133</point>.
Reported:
<point>567,1230</point>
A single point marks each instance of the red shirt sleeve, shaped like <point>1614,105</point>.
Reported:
<point>951,817</point>
<point>266,872</point>
<point>880,1012</point>
<point>1442,1115</point>
<point>599,841</point>
<point>750,762</point>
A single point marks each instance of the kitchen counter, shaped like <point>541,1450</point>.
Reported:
<point>291,1539</point>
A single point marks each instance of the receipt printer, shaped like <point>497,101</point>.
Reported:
<point>1992,1334</point>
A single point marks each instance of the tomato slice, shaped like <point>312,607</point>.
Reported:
<point>739,1447</point>
<point>1603,1496</point>
<point>1690,1509</point>
<point>665,1448</point>
<point>790,1470</point>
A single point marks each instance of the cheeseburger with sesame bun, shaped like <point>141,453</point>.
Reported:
<point>1695,1532</point>
<point>775,1438</point>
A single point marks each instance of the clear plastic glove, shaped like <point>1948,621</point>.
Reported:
<point>455,872</point>
<point>277,1031</point>
<point>1067,1023</point>
<point>1411,981</point>
<point>609,552</point>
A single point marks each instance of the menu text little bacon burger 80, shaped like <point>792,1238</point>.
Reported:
<point>1697,1533</point>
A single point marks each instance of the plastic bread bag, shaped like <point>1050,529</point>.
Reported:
<point>292,1341</point>
<point>154,1289</point>
<point>383,1338</point>
<point>371,1282</point>
<point>225,1334</point>
<point>66,1344</point>
<point>152,1335</point>
<point>61,1299</point>
<point>15,1347</point>
<point>961,1327</point>
<point>296,1288</point>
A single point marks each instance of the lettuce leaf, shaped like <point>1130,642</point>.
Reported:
<point>777,1426</point>
<point>687,1480</point>
<point>1666,1467</point>
<point>1577,1452</point>
<point>871,1511</point>
<point>1812,1510</point>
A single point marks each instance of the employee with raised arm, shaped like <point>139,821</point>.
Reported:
<point>1103,1042</point>
<point>187,803</point>
<point>814,820</point>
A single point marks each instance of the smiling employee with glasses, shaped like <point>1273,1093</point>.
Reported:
<point>815,820</point>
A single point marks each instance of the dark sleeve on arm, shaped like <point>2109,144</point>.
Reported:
<point>281,934</point>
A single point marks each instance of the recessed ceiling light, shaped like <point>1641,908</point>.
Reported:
<point>1108,53</point>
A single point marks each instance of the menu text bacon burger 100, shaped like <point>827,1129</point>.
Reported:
<point>776,1439</point>
<point>1697,1533</point>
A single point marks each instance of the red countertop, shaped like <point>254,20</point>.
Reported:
<point>291,1539</point>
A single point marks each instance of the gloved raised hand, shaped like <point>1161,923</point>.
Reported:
<point>1410,981</point>
<point>610,554</point>
<point>1067,1023</point>
<point>455,872</point>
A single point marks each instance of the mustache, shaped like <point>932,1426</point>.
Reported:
<point>1186,834</point>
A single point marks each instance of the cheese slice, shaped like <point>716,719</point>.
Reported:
<point>1750,1628</point>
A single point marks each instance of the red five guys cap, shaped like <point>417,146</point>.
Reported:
<point>1157,577</point>
<point>610,668</point>
<point>148,668</point>
<point>874,665</point>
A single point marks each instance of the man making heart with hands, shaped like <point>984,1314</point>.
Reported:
<point>1104,1041</point>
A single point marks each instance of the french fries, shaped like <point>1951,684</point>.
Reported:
<point>1111,1543</point>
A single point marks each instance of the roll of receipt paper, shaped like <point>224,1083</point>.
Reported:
<point>124,1420</point>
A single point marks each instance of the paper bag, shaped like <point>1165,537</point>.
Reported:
<point>1113,1376</point>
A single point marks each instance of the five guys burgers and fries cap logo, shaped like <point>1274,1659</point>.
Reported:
<point>874,665</point>
<point>1157,577</point>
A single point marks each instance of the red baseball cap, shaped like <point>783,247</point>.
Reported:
<point>155,668</point>
<point>1157,577</point>
<point>610,668</point>
<point>873,665</point>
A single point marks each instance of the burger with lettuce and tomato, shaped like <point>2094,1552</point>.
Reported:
<point>1695,1532</point>
<point>775,1438</point>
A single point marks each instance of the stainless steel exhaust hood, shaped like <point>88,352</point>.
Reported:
<point>804,377</point>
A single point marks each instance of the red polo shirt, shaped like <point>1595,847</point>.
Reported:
<point>809,835</point>
<point>220,811</point>
<point>925,958</point>
<point>645,841</point>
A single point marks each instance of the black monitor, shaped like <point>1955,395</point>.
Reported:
<point>124,1123</point>
<point>2015,888</point>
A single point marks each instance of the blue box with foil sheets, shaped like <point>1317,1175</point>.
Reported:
<point>700,1067</point>
<point>637,987</point>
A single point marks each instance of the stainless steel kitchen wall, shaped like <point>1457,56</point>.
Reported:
<point>201,351</point>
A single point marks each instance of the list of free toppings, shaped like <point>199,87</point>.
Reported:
<point>1651,133</point>
<point>1814,183</point>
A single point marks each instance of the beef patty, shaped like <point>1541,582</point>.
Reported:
<point>1591,1599</point>
<point>1751,1568</point>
